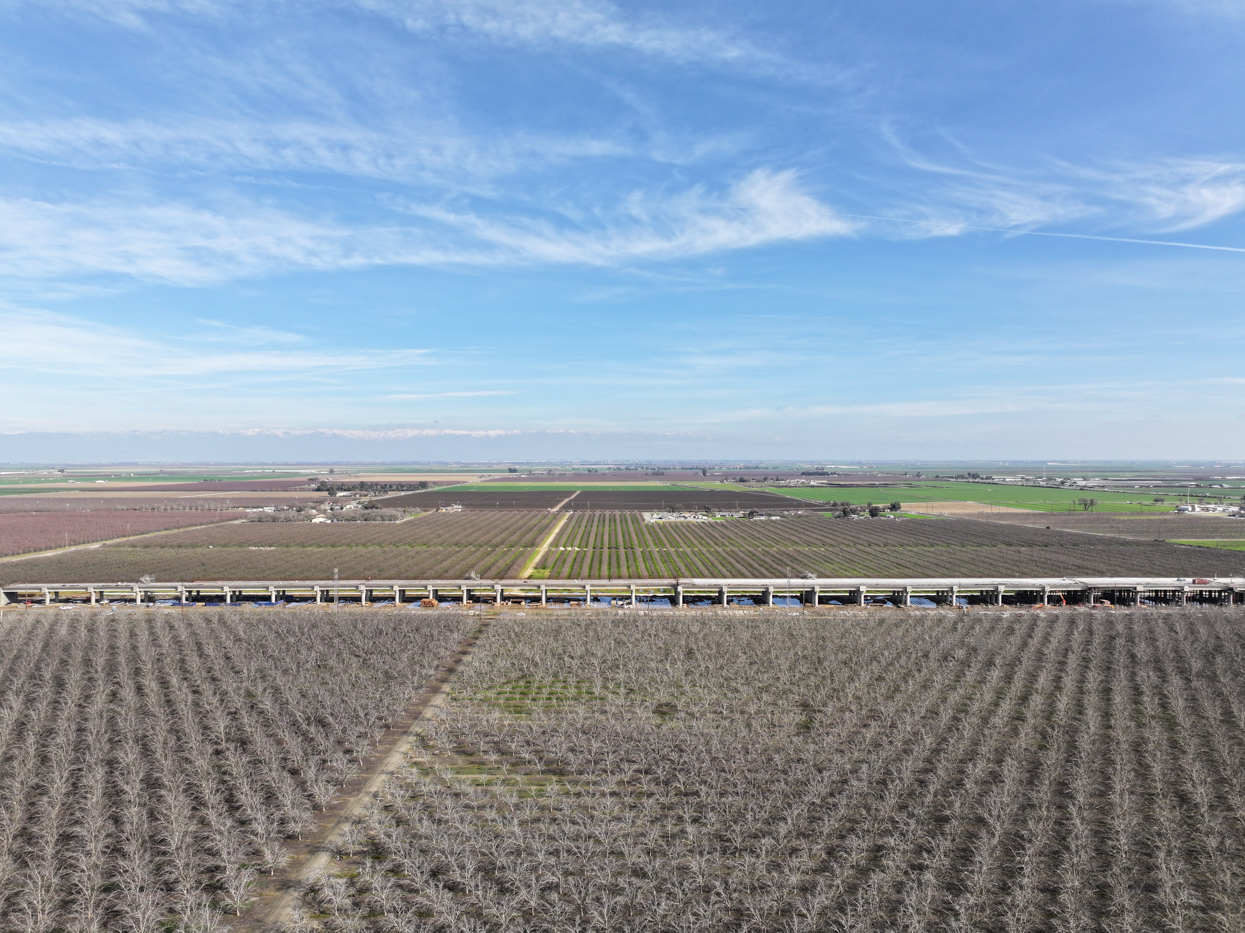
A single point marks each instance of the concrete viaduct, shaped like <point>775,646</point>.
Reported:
<point>1120,591</point>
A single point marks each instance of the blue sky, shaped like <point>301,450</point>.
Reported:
<point>569,228</point>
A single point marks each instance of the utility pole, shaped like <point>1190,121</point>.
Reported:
<point>336,597</point>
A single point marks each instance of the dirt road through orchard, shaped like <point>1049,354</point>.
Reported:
<point>543,549</point>
<point>278,896</point>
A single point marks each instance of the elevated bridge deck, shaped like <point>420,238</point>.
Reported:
<point>1125,591</point>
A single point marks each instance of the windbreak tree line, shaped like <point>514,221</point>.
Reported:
<point>370,488</point>
<point>152,764</point>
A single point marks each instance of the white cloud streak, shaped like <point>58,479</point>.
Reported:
<point>415,396</point>
<point>1167,195</point>
<point>1181,194</point>
<point>182,244</point>
<point>380,434</point>
<point>57,343</point>
<point>197,246</point>
<point>583,23</point>
<point>256,333</point>
<point>764,207</point>
<point>1123,239</point>
<point>594,24</point>
<point>420,151</point>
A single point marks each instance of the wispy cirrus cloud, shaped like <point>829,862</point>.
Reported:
<point>1231,9</point>
<point>58,343</point>
<point>968,192</point>
<point>590,23</point>
<point>190,245</point>
<point>134,14</point>
<point>379,434</point>
<point>763,207</point>
<point>1179,194</point>
<point>255,333</point>
<point>415,396</point>
<point>595,24</point>
<point>418,151</point>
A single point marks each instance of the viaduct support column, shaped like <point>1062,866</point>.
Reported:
<point>632,595</point>
<point>860,596</point>
<point>544,595</point>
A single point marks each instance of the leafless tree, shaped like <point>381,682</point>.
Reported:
<point>151,764</point>
<point>1070,770</point>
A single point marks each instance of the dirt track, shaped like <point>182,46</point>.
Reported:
<point>278,896</point>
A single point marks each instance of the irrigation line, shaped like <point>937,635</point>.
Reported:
<point>278,913</point>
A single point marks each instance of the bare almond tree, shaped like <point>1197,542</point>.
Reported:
<point>151,765</point>
<point>1065,770</point>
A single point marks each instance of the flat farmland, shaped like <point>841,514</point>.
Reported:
<point>101,501</point>
<point>430,529</point>
<point>98,501</point>
<point>1172,526</point>
<point>643,499</point>
<point>687,498</point>
<point>569,488</point>
<point>449,545</point>
<point>621,545</point>
<point>597,544</point>
<point>1237,545</point>
<point>1038,499</point>
<point>274,485</point>
<point>24,532</point>
<point>474,500</point>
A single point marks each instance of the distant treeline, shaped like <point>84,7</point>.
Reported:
<point>370,488</point>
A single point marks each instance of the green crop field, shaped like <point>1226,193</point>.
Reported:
<point>1019,497</point>
<point>1226,545</point>
<point>564,487</point>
